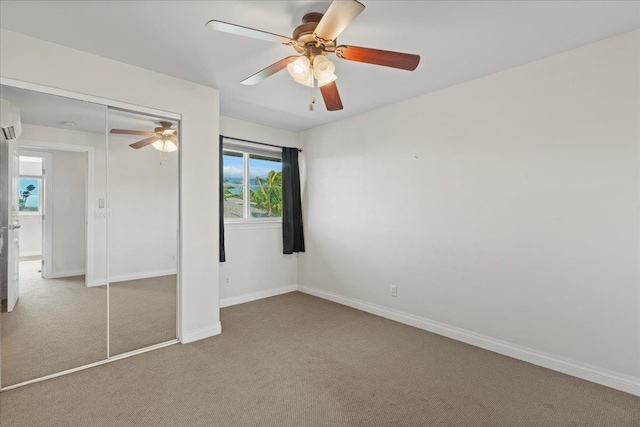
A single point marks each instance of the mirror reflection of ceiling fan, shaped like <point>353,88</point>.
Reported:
<point>163,138</point>
<point>313,41</point>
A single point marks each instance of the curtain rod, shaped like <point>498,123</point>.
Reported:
<point>256,142</point>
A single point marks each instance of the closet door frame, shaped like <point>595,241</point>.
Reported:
<point>110,103</point>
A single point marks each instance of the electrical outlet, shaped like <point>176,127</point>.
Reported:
<point>394,291</point>
<point>227,281</point>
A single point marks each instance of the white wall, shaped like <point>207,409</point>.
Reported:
<point>255,263</point>
<point>143,211</point>
<point>30,234</point>
<point>69,178</point>
<point>506,206</point>
<point>35,61</point>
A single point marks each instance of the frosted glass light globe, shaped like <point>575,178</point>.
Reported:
<point>323,69</point>
<point>166,146</point>
<point>299,67</point>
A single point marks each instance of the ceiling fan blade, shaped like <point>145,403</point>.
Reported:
<point>331,96</point>
<point>131,132</point>
<point>269,71</point>
<point>249,32</point>
<point>338,17</point>
<point>144,142</point>
<point>404,61</point>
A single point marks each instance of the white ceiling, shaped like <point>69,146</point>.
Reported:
<point>458,41</point>
<point>56,111</point>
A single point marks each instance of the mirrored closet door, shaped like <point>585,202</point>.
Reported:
<point>89,234</point>
<point>54,293</point>
<point>143,230</point>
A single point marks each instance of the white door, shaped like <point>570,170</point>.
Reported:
<point>13,235</point>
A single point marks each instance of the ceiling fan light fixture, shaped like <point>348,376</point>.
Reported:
<point>315,38</point>
<point>165,145</point>
<point>323,69</point>
<point>299,68</point>
<point>306,80</point>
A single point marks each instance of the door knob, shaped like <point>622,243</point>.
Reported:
<point>14,226</point>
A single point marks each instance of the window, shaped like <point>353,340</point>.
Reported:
<point>252,184</point>
<point>29,197</point>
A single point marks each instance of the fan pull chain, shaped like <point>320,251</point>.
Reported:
<point>313,98</point>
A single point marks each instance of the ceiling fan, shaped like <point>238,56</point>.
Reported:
<point>313,41</point>
<point>163,138</point>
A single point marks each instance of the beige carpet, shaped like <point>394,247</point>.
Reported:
<point>60,324</point>
<point>142,313</point>
<point>296,360</point>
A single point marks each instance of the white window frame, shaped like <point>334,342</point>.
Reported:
<point>247,149</point>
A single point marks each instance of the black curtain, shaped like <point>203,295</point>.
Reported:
<point>292,234</point>
<point>223,256</point>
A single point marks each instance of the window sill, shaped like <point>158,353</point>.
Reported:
<point>250,225</point>
<point>29,214</point>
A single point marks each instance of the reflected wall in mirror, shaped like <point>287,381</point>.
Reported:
<point>143,229</point>
<point>54,293</point>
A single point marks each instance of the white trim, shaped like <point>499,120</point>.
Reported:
<point>134,276</point>
<point>251,225</point>
<point>106,231</point>
<point>246,186</point>
<point>179,241</point>
<point>92,365</point>
<point>138,276</point>
<point>251,147</point>
<point>607,378</point>
<point>253,296</point>
<point>201,333</point>
<point>46,243</point>
<point>30,254</point>
<point>90,98</point>
<point>29,144</point>
<point>62,274</point>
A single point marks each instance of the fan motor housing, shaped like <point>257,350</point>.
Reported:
<point>303,34</point>
<point>163,126</point>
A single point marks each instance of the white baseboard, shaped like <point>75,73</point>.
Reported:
<point>62,274</point>
<point>201,333</point>
<point>207,332</point>
<point>607,378</point>
<point>241,299</point>
<point>136,276</point>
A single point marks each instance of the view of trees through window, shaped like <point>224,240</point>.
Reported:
<point>263,181</point>
<point>233,176</point>
<point>29,197</point>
